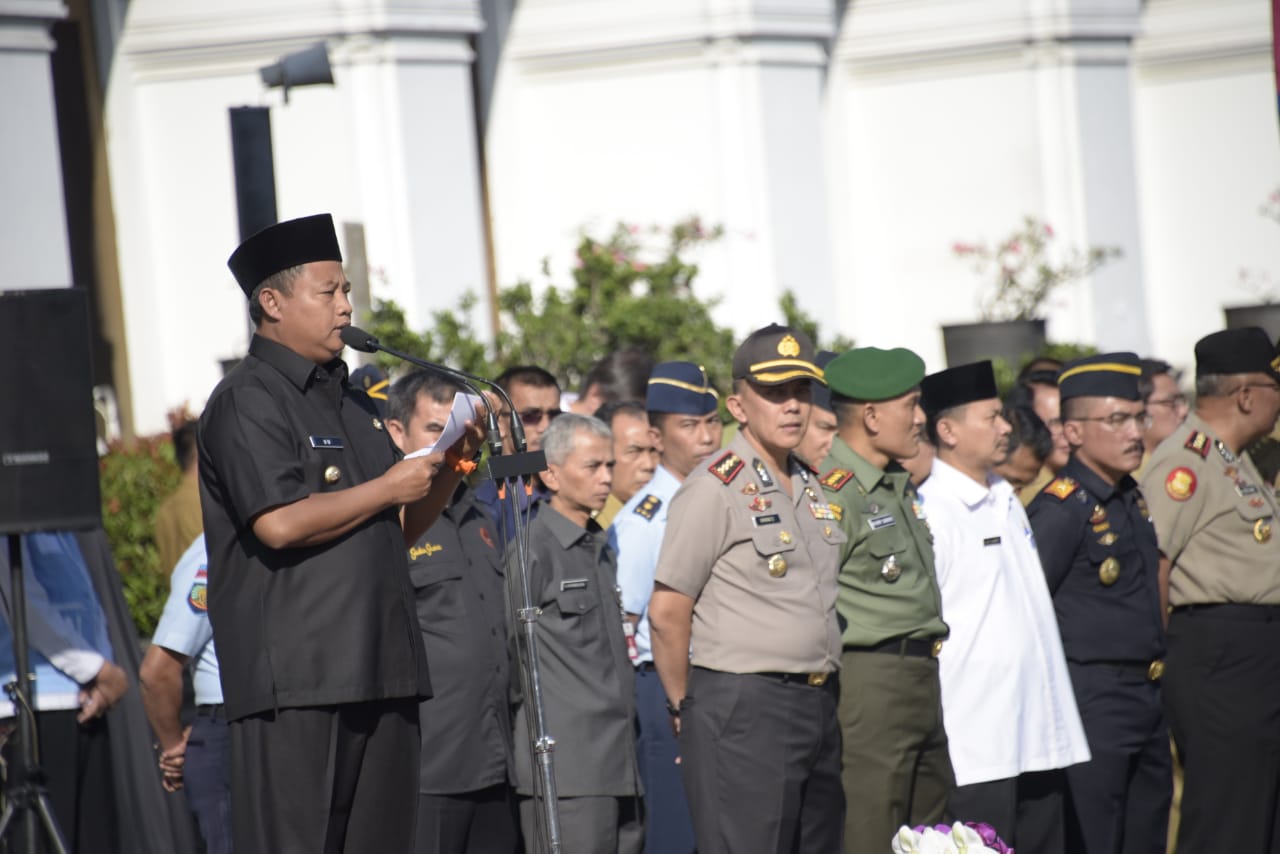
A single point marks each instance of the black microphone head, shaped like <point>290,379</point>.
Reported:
<point>357,339</point>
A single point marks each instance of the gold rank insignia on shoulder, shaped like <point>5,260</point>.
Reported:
<point>1109,572</point>
<point>1198,443</point>
<point>777,566</point>
<point>727,467</point>
<point>788,347</point>
<point>1061,488</point>
<point>332,474</point>
<point>1262,531</point>
<point>836,478</point>
<point>648,506</point>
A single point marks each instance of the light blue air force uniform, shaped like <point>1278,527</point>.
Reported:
<point>184,627</point>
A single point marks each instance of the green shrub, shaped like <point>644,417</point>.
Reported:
<point>135,479</point>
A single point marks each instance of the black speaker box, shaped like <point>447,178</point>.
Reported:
<point>48,443</point>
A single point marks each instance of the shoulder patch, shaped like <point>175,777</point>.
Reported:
<point>836,478</point>
<point>727,467</point>
<point>648,506</point>
<point>1180,484</point>
<point>1061,488</point>
<point>1198,443</point>
<point>198,597</point>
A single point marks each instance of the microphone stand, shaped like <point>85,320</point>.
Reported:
<point>508,473</point>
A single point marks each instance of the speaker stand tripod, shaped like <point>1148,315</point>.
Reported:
<point>25,792</point>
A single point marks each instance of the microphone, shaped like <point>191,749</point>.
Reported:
<point>357,339</point>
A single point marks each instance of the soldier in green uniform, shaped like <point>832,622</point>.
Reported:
<point>897,769</point>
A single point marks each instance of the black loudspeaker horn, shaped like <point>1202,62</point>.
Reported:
<point>48,442</point>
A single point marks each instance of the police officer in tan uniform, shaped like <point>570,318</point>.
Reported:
<point>1220,567</point>
<point>747,572</point>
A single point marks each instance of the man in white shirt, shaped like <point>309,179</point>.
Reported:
<point>1007,702</point>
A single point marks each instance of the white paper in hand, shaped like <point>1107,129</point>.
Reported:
<point>464,410</point>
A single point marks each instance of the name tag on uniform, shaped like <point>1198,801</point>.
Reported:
<point>991,541</point>
<point>326,442</point>
<point>771,519</point>
<point>884,521</point>
<point>573,584</point>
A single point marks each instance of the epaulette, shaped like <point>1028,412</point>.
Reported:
<point>648,506</point>
<point>1061,488</point>
<point>836,478</point>
<point>1199,443</point>
<point>727,467</point>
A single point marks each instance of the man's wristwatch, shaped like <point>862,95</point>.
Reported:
<point>674,711</point>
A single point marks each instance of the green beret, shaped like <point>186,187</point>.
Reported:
<point>869,373</point>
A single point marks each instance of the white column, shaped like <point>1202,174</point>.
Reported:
<point>33,225</point>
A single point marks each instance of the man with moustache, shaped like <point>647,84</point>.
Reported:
<point>747,572</point>
<point>1220,568</point>
<point>896,766</point>
<point>464,802</point>
<point>588,684</point>
<point>683,409</point>
<point>1098,548</point>
<point>635,454</point>
<point>1011,719</point>
<point>307,518</point>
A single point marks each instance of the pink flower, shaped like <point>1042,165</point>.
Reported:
<point>1048,230</point>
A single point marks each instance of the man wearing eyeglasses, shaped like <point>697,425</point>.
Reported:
<point>535,393</point>
<point>1098,549</point>
<point>1220,568</point>
<point>1166,404</point>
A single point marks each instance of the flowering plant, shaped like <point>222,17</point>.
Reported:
<point>1260,283</point>
<point>971,837</point>
<point>1024,273</point>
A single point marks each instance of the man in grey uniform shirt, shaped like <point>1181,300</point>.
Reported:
<point>747,571</point>
<point>588,684</point>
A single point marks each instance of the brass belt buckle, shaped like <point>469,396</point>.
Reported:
<point>817,680</point>
<point>1155,671</point>
<point>937,648</point>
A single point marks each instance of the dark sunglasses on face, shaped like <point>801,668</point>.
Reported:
<point>534,416</point>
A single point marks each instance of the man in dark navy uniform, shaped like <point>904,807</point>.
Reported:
<point>307,517</point>
<point>464,802</point>
<point>1098,548</point>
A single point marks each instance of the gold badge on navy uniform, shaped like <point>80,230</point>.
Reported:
<point>332,474</point>
<point>1109,571</point>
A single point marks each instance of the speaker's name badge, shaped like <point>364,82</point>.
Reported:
<point>326,442</point>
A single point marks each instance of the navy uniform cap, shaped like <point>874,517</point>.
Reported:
<point>1103,375</point>
<point>775,355</point>
<point>958,386</point>
<point>374,382</point>
<point>286,244</point>
<point>1246,350</point>
<point>821,397</point>
<point>680,387</point>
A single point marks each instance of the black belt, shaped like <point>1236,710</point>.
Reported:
<point>646,667</point>
<point>1149,670</point>
<point>910,647</point>
<point>215,710</point>
<point>1232,611</point>
<point>813,680</point>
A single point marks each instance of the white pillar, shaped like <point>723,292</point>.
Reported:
<point>33,225</point>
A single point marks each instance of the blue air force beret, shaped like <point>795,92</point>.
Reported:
<point>1103,375</point>
<point>286,244</point>
<point>958,386</point>
<point>1246,350</point>
<point>869,373</point>
<point>775,355</point>
<point>821,395</point>
<point>680,387</point>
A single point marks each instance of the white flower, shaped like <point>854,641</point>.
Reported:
<point>908,841</point>
<point>967,840</point>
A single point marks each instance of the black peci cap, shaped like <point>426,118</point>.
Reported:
<point>286,244</point>
<point>1246,350</point>
<point>958,386</point>
<point>1103,375</point>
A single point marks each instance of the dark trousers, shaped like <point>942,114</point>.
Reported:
<point>76,759</point>
<point>1028,811</point>
<point>600,825</point>
<point>897,768</point>
<point>206,778</point>
<point>480,822</point>
<point>761,764</point>
<point>1119,800</point>
<point>1222,692</point>
<point>329,779</point>
<point>669,826</point>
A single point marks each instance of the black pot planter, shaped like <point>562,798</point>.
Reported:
<point>1011,340</point>
<point>1266,315</point>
